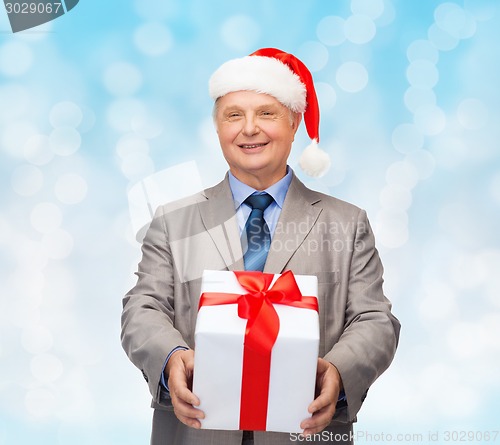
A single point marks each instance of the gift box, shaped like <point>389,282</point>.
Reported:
<point>256,350</point>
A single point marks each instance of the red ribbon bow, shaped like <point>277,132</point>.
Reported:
<point>261,333</point>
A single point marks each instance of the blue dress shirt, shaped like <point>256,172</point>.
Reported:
<point>242,191</point>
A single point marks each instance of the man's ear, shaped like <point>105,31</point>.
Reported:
<point>296,119</point>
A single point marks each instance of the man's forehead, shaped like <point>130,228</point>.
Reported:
<point>240,99</point>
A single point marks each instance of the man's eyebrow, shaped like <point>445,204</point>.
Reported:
<point>231,107</point>
<point>258,107</point>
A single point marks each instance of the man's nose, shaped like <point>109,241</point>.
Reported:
<point>250,127</point>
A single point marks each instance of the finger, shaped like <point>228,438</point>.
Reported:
<point>183,409</point>
<point>183,393</point>
<point>177,383</point>
<point>324,399</point>
<point>320,416</point>
<point>193,423</point>
<point>189,421</point>
<point>318,422</point>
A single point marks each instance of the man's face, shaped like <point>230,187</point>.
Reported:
<point>256,133</point>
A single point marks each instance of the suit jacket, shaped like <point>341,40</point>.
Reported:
<point>316,235</point>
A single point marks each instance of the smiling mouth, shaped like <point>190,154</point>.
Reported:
<point>252,146</point>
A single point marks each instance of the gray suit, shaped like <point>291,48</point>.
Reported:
<point>315,235</point>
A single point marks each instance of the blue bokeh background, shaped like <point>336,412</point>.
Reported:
<point>114,92</point>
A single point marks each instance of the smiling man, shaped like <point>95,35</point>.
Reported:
<point>259,104</point>
<point>256,133</point>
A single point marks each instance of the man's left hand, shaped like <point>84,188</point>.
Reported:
<point>328,385</point>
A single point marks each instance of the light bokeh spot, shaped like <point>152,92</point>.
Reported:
<point>15,135</point>
<point>131,143</point>
<point>314,55</point>
<point>70,188</point>
<point>137,165</point>
<point>352,77</point>
<point>449,151</point>
<point>423,161</point>
<point>37,339</point>
<point>46,217</point>
<point>122,113</point>
<point>438,302</point>
<point>46,368</point>
<point>65,141</point>
<point>422,50</point>
<point>422,74</point>
<point>403,174</point>
<point>359,29</point>
<point>153,39</point>
<point>441,39</point>
<point>40,403</point>
<point>330,30</point>
<point>122,78</point>
<point>27,180</point>
<point>370,8</point>
<point>467,340</point>
<point>18,98</point>
<point>388,16</point>
<point>57,244</point>
<point>392,228</point>
<point>407,138</point>
<point>430,119</point>
<point>37,150</point>
<point>16,58</point>
<point>415,98</point>
<point>456,21</point>
<point>395,198</point>
<point>327,97</point>
<point>65,114</point>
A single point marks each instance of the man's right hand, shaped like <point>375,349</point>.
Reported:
<point>179,371</point>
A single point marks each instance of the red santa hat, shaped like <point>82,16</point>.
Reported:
<point>283,76</point>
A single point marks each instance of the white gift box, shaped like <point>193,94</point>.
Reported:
<point>218,363</point>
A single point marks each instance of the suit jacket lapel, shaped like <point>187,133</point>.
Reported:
<point>296,220</point>
<point>219,217</point>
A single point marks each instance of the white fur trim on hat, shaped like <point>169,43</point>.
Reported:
<point>262,75</point>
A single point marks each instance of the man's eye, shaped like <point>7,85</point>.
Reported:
<point>233,115</point>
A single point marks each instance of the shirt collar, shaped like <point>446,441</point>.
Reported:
<point>242,191</point>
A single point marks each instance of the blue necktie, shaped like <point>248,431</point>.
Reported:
<point>258,237</point>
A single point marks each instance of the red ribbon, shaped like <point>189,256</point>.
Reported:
<point>261,332</point>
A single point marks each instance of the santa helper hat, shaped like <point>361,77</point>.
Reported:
<point>283,76</point>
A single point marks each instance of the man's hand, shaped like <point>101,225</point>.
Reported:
<point>328,386</point>
<point>179,371</point>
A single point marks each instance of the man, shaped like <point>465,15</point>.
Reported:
<point>259,101</point>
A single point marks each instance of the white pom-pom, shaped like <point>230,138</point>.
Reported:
<point>314,161</point>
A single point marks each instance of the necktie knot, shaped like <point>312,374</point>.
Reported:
<point>259,202</point>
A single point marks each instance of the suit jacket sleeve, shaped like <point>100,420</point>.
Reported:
<point>148,333</point>
<point>368,344</point>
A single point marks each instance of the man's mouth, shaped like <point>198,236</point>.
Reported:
<point>251,146</point>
